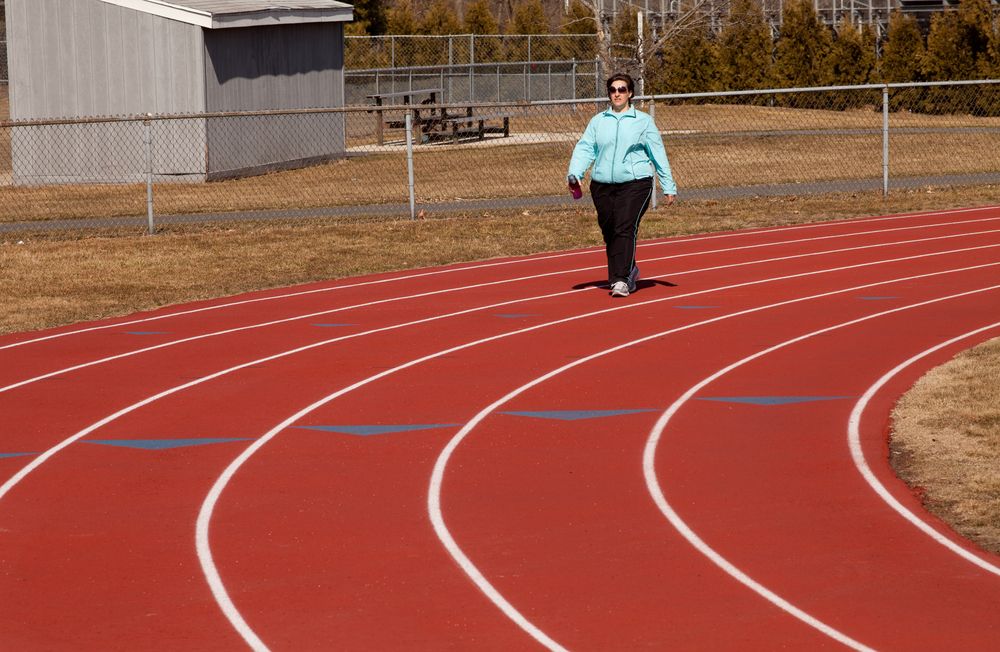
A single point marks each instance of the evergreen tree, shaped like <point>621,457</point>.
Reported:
<point>849,62</point>
<point>369,18</point>
<point>578,24</point>
<point>948,55</point>
<point>802,50</point>
<point>528,18</point>
<point>903,52</point>
<point>989,68</point>
<point>689,64</point>
<point>902,58</point>
<point>948,58</point>
<point>976,17</point>
<point>440,20</point>
<point>479,19</point>
<point>744,48</point>
<point>579,20</point>
<point>400,19</point>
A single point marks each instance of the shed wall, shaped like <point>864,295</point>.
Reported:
<point>75,58</point>
<point>274,67</point>
<point>82,58</point>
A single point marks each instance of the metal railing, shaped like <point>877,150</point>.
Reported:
<point>150,172</point>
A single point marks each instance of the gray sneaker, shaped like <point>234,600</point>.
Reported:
<point>633,276</point>
<point>619,289</point>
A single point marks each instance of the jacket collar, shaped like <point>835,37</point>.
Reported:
<point>629,112</point>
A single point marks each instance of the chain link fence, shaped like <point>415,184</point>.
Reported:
<point>145,173</point>
<point>473,68</point>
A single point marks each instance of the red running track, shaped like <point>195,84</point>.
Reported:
<point>500,456</point>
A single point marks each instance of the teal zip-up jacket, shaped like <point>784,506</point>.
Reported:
<point>622,147</point>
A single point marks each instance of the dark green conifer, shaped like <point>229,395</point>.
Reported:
<point>801,54</point>
<point>744,48</point>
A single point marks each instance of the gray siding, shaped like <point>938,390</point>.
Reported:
<point>73,58</point>
<point>275,67</point>
<point>272,67</point>
<point>83,58</point>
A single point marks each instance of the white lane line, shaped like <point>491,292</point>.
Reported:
<point>656,491</point>
<point>857,454</point>
<point>435,272</point>
<point>202,530</point>
<point>230,331</point>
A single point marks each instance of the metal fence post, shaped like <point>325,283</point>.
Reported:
<point>597,79</point>
<point>573,85</point>
<point>148,140</point>
<point>652,116</point>
<point>409,163</point>
<point>885,141</point>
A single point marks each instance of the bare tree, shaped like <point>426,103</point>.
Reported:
<point>623,47</point>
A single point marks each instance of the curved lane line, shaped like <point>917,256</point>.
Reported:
<point>857,454</point>
<point>202,529</point>
<point>656,491</point>
<point>237,329</point>
<point>483,266</point>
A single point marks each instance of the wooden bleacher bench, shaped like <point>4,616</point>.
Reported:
<point>476,124</point>
<point>407,96</point>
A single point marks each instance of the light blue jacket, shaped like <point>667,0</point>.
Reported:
<point>622,147</point>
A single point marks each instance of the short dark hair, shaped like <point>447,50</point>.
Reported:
<point>621,76</point>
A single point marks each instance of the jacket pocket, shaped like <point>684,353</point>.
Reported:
<point>641,168</point>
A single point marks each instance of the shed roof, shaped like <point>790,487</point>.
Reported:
<point>218,14</point>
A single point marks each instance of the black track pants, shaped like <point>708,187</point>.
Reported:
<point>620,207</point>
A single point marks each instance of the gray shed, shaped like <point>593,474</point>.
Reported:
<point>85,58</point>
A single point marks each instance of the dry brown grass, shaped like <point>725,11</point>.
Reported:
<point>946,443</point>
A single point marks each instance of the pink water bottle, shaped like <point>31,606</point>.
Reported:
<point>574,187</point>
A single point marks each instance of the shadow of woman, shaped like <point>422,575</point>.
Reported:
<point>641,284</point>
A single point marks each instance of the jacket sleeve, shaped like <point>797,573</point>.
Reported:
<point>654,145</point>
<point>585,152</point>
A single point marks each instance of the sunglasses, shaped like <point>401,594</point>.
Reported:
<point>619,89</point>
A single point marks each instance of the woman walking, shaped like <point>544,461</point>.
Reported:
<point>625,148</point>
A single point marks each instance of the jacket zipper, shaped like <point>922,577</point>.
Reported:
<point>618,127</point>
